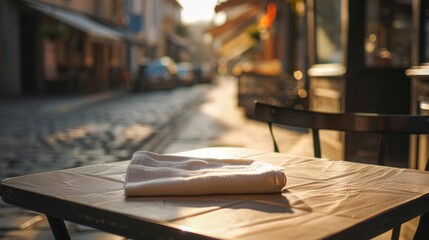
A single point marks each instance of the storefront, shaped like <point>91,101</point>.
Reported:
<point>70,52</point>
<point>358,54</point>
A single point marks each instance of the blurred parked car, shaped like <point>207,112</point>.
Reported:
<point>205,73</point>
<point>185,73</point>
<point>157,74</point>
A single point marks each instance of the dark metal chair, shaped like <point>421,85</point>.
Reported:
<point>383,124</point>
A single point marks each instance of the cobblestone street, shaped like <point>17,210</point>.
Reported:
<point>42,134</point>
<point>36,138</point>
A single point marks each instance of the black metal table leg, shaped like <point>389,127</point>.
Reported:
<point>396,232</point>
<point>422,231</point>
<point>58,228</point>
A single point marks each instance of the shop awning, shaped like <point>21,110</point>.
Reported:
<point>234,3</point>
<point>78,21</point>
<point>177,40</point>
<point>236,47</point>
<point>238,23</point>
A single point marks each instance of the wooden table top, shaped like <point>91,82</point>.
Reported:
<point>322,199</point>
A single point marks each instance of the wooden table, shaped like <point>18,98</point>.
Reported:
<point>323,200</point>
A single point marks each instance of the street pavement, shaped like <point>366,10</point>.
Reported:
<point>51,133</point>
<point>219,122</point>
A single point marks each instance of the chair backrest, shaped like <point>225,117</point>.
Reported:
<point>383,124</point>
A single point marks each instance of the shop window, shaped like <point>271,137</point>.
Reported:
<point>70,51</point>
<point>328,31</point>
<point>116,53</point>
<point>388,33</point>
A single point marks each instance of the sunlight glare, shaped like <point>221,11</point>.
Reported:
<point>197,10</point>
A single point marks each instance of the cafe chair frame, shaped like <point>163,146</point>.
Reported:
<point>382,124</point>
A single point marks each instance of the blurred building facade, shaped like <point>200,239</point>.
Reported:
<point>336,56</point>
<point>261,42</point>
<point>82,46</point>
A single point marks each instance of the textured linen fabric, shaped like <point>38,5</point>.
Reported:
<point>151,174</point>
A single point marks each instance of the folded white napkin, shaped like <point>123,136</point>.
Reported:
<point>151,174</point>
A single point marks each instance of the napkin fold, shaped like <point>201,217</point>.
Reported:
<point>151,174</point>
